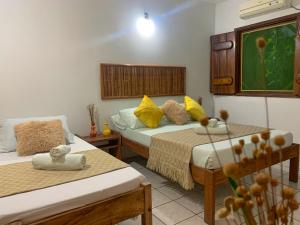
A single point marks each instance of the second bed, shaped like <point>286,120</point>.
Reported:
<point>204,166</point>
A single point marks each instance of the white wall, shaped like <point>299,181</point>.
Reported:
<point>50,52</point>
<point>283,112</point>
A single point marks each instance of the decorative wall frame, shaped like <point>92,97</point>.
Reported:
<point>265,74</point>
<point>134,81</point>
<point>267,58</point>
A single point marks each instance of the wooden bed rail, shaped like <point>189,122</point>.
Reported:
<point>289,153</point>
<point>106,212</point>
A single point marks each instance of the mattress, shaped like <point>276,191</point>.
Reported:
<point>34,205</point>
<point>202,155</point>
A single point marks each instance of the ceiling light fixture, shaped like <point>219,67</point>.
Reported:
<point>145,26</point>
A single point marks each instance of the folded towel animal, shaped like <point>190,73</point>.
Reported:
<point>219,129</point>
<point>59,151</point>
<point>213,122</point>
<point>44,161</point>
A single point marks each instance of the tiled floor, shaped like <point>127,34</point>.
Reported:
<point>173,205</point>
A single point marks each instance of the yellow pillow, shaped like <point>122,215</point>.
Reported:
<point>149,113</point>
<point>194,108</point>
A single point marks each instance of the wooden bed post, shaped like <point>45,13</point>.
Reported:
<point>209,197</point>
<point>147,216</point>
<point>200,100</point>
<point>294,168</point>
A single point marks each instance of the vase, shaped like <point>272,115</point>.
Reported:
<point>106,129</point>
<point>93,132</point>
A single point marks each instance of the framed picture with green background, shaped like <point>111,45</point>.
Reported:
<point>269,57</point>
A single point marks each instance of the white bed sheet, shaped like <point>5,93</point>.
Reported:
<point>202,155</point>
<point>34,205</point>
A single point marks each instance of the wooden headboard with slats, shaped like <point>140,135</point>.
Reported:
<point>134,81</point>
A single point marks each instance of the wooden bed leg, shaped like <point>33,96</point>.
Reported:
<point>209,199</point>
<point>147,216</point>
<point>294,168</point>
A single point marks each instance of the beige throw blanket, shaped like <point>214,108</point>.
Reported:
<point>170,153</point>
<point>21,177</point>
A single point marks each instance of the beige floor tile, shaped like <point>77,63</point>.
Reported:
<point>137,221</point>
<point>193,201</point>
<point>156,221</point>
<point>134,221</point>
<point>158,198</point>
<point>156,180</point>
<point>223,222</point>
<point>172,213</point>
<point>173,191</point>
<point>291,184</point>
<point>297,214</point>
<point>136,165</point>
<point>195,220</point>
<point>218,221</point>
<point>201,215</point>
<point>276,168</point>
<point>286,163</point>
<point>298,196</point>
<point>222,192</point>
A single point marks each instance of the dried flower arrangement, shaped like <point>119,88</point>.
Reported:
<point>261,193</point>
<point>92,113</point>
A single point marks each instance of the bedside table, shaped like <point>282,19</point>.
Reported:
<point>112,143</point>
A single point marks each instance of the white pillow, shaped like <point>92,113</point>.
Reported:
<point>164,121</point>
<point>127,115</point>
<point>1,137</point>
<point>118,122</point>
<point>9,141</point>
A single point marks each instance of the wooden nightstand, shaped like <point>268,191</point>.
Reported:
<point>112,143</point>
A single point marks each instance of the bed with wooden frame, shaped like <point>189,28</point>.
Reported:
<point>106,212</point>
<point>89,208</point>
<point>211,178</point>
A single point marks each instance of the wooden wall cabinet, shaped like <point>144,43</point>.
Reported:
<point>222,70</point>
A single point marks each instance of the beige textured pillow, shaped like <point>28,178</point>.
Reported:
<point>38,136</point>
<point>189,115</point>
<point>175,112</point>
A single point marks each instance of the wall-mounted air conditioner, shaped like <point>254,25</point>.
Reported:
<point>254,7</point>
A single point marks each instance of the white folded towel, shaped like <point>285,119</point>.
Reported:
<point>219,129</point>
<point>44,161</point>
<point>212,122</point>
<point>59,151</point>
